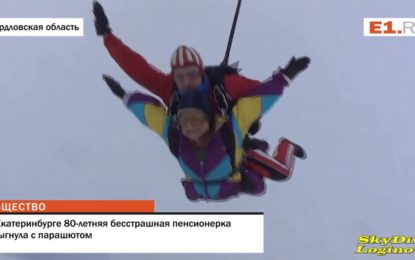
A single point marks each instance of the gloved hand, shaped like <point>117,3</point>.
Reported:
<point>114,86</point>
<point>295,66</point>
<point>101,21</point>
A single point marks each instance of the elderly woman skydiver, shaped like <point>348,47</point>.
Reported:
<point>209,146</point>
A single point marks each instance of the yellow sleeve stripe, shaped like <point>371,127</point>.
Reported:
<point>155,117</point>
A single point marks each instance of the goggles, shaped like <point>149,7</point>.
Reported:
<point>191,117</point>
<point>191,75</point>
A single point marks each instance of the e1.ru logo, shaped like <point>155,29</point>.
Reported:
<point>389,27</point>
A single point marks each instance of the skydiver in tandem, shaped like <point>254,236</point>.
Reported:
<point>222,84</point>
<point>209,146</point>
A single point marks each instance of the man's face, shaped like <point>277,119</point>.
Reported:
<point>193,123</point>
<point>187,78</point>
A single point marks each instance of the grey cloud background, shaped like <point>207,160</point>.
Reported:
<point>64,136</point>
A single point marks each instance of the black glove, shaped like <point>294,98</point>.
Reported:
<point>295,66</point>
<point>114,86</point>
<point>101,21</point>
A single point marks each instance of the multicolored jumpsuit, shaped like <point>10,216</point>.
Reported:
<point>208,173</point>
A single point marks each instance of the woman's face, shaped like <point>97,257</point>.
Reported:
<point>193,123</point>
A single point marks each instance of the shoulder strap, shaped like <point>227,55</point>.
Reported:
<point>216,75</point>
<point>173,139</point>
<point>228,138</point>
<point>174,102</point>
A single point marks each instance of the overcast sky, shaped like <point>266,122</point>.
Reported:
<point>63,135</point>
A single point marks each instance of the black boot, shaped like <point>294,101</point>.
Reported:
<point>298,151</point>
<point>254,128</point>
<point>251,143</point>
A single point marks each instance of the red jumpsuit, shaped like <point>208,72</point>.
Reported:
<point>159,83</point>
